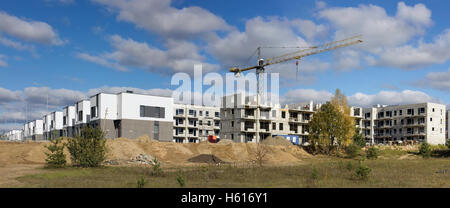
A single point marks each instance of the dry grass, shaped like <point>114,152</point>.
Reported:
<point>330,172</point>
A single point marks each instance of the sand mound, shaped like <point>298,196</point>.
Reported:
<point>205,158</point>
<point>278,140</point>
<point>169,153</point>
<point>225,141</point>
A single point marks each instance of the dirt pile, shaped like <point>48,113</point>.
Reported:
<point>205,158</point>
<point>225,141</point>
<point>278,140</point>
<point>168,153</point>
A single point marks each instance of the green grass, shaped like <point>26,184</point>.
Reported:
<point>323,172</point>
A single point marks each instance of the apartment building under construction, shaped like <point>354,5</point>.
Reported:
<point>193,123</point>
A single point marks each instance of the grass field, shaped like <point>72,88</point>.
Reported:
<point>319,171</point>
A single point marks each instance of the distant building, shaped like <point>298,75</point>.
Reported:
<point>193,123</point>
<point>423,122</point>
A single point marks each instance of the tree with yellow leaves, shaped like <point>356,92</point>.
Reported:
<point>332,126</point>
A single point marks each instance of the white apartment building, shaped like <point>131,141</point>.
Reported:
<point>26,132</point>
<point>37,130</point>
<point>69,121</point>
<point>193,123</point>
<point>423,122</point>
<point>46,120</point>
<point>14,135</point>
<point>56,124</point>
<point>132,115</point>
<point>239,122</point>
<point>82,115</point>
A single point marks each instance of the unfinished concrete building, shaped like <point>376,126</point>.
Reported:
<point>193,123</point>
<point>132,115</point>
<point>422,122</point>
<point>239,121</point>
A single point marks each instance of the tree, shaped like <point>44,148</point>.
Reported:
<point>332,126</point>
<point>89,148</point>
<point>425,150</point>
<point>358,138</point>
<point>55,157</point>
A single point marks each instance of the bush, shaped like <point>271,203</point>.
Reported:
<point>140,183</point>
<point>315,174</point>
<point>359,139</point>
<point>56,157</point>
<point>157,170</point>
<point>88,149</point>
<point>353,150</point>
<point>372,153</point>
<point>362,172</point>
<point>448,144</point>
<point>180,179</point>
<point>425,150</point>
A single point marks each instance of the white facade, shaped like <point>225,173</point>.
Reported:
<point>26,132</point>
<point>104,106</point>
<point>46,123</point>
<point>56,122</point>
<point>193,123</point>
<point>83,112</point>
<point>14,135</point>
<point>38,126</point>
<point>129,105</point>
<point>423,122</point>
<point>69,116</point>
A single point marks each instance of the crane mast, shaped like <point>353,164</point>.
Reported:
<point>261,64</point>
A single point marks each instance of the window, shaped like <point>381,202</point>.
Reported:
<point>232,123</point>
<point>421,110</point>
<point>433,109</point>
<point>156,130</point>
<point>216,123</point>
<point>192,113</point>
<point>283,114</point>
<point>431,119</point>
<point>232,111</point>
<point>367,115</point>
<point>65,120</point>
<point>281,126</point>
<point>217,114</point>
<point>209,123</point>
<point>200,122</point>
<point>152,112</point>
<point>93,111</point>
<point>395,113</point>
<point>274,126</point>
<point>80,116</point>
<point>180,111</point>
<point>410,112</point>
<point>207,113</point>
<point>200,113</point>
<point>432,129</point>
<point>400,112</point>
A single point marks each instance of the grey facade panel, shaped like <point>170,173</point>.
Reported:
<point>134,128</point>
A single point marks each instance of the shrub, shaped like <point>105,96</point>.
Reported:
<point>350,166</point>
<point>362,172</point>
<point>180,179</point>
<point>315,174</point>
<point>425,150</point>
<point>448,144</point>
<point>88,149</point>
<point>372,153</point>
<point>140,183</point>
<point>359,139</point>
<point>353,150</point>
<point>56,157</point>
<point>157,170</point>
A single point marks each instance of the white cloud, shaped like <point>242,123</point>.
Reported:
<point>305,95</point>
<point>180,56</point>
<point>377,27</point>
<point>28,30</point>
<point>155,92</point>
<point>310,29</point>
<point>7,95</point>
<point>16,45</point>
<point>425,54</point>
<point>3,63</point>
<point>160,17</point>
<point>361,99</point>
<point>236,47</point>
<point>56,97</point>
<point>436,80</point>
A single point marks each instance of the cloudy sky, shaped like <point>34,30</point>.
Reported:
<point>55,52</point>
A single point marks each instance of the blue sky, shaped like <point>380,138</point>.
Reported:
<point>69,49</point>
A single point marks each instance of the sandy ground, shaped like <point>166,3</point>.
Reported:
<point>22,158</point>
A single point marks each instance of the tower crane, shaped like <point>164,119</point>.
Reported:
<point>296,55</point>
